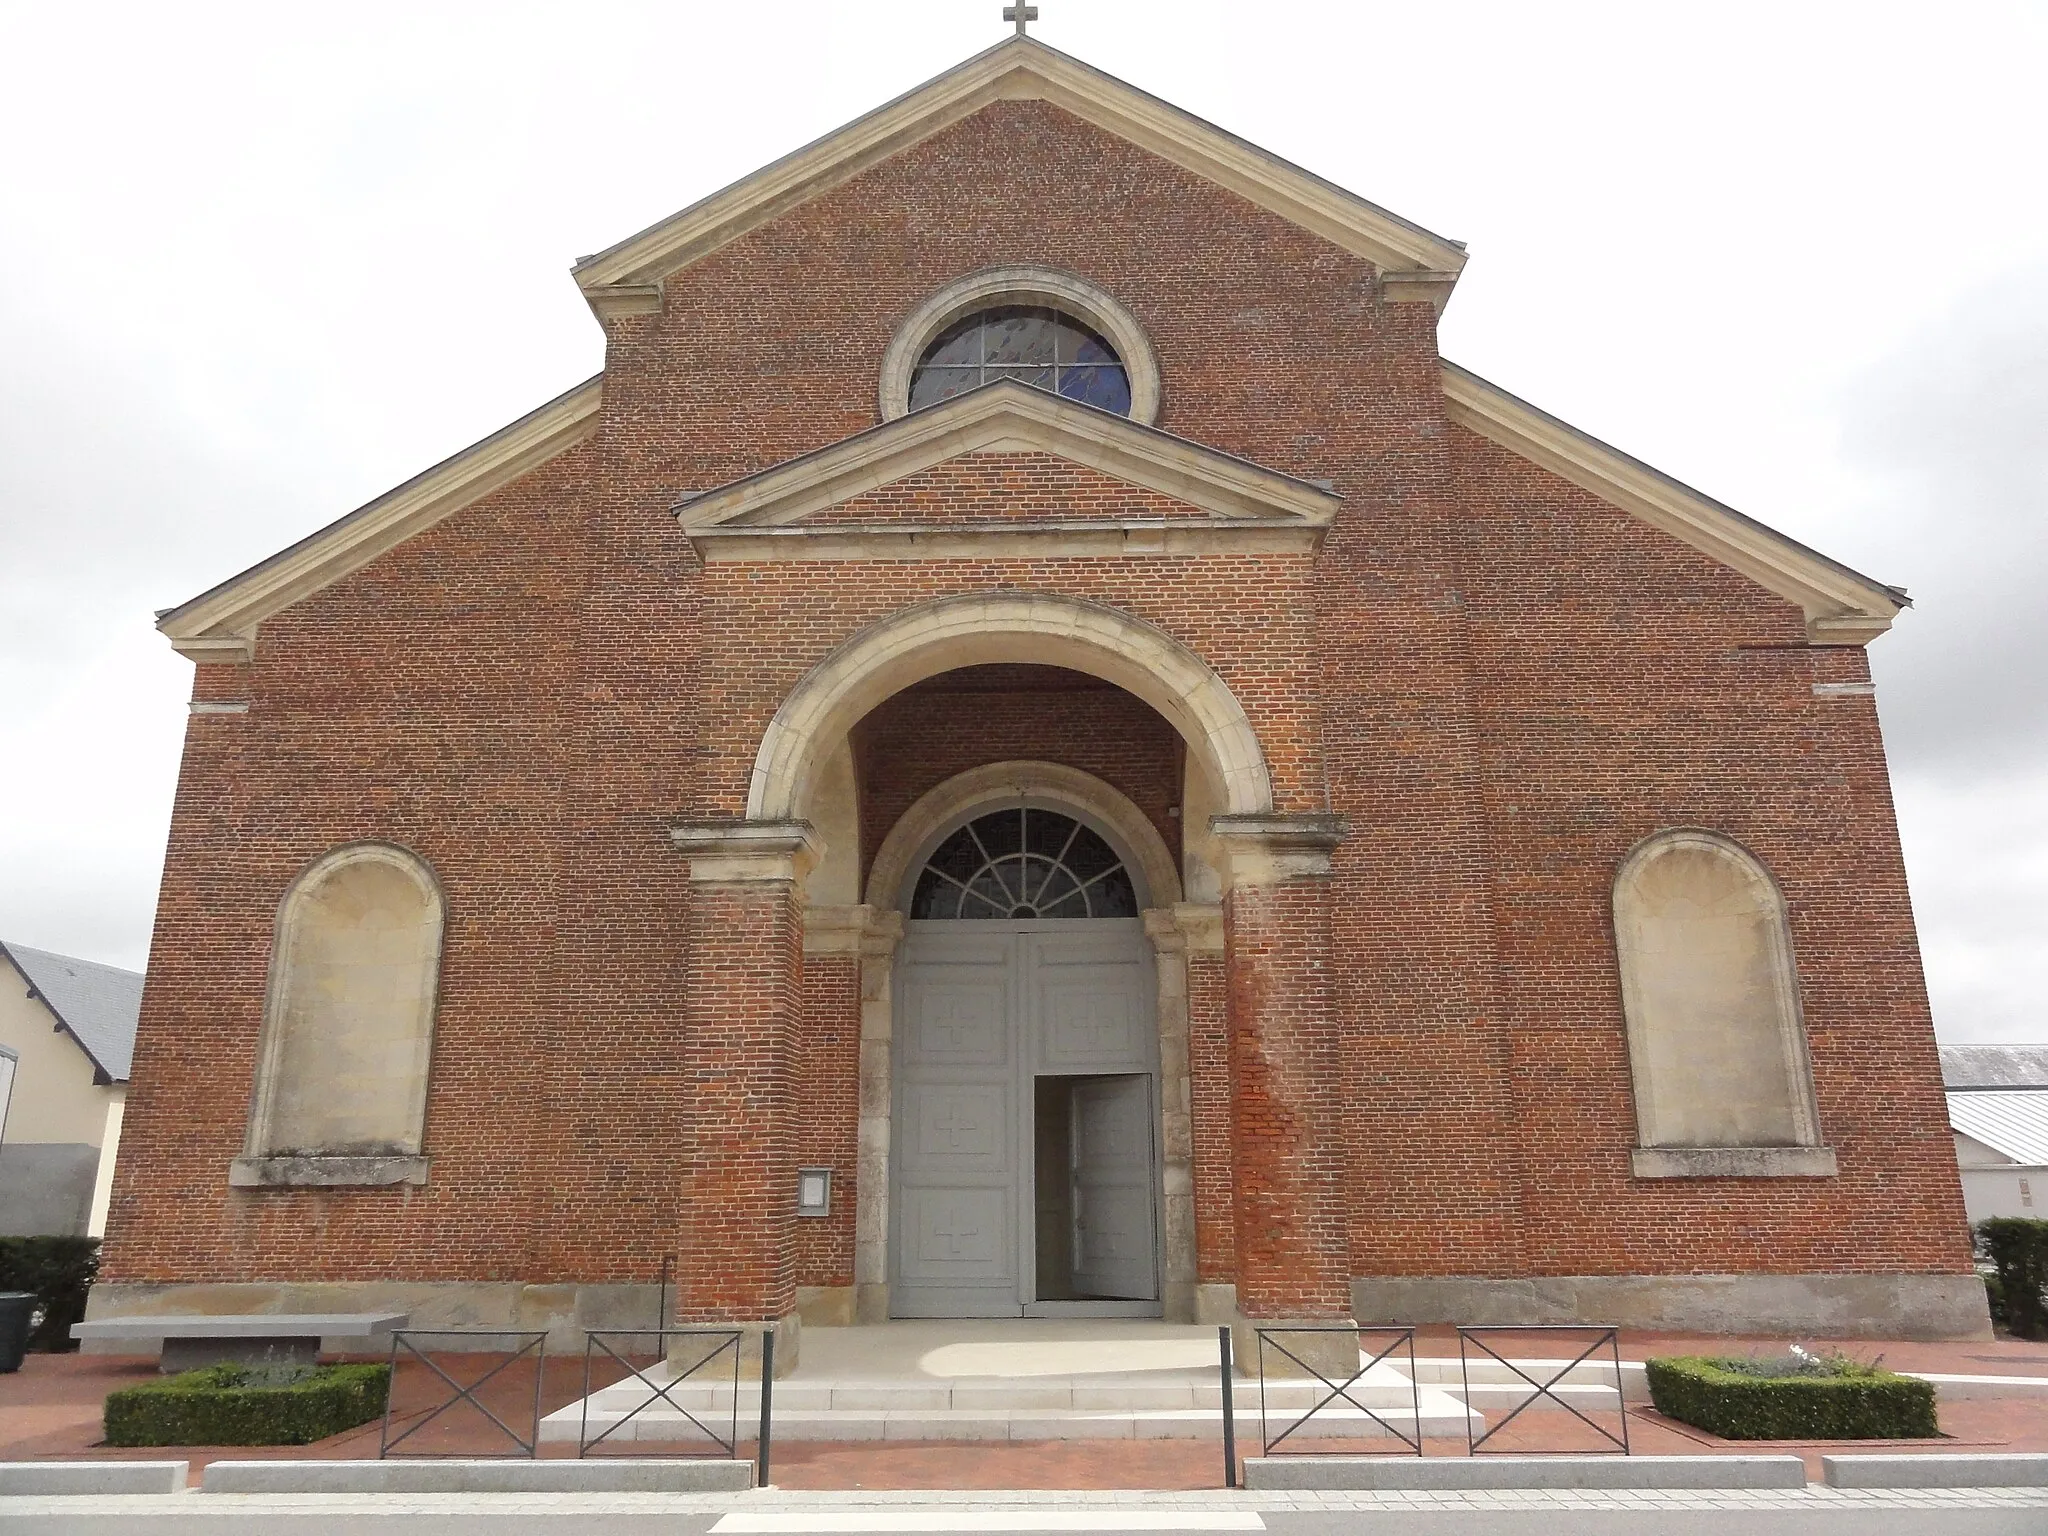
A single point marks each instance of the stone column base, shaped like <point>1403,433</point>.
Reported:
<point>788,1330</point>
<point>826,1306</point>
<point>1326,1346</point>
<point>565,1312</point>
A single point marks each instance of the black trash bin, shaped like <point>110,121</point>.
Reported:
<point>17,1317</point>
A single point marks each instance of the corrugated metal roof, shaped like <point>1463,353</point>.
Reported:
<point>2012,1121</point>
<point>97,1004</point>
<point>1994,1066</point>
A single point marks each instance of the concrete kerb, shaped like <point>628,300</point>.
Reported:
<point>52,1479</point>
<point>1936,1471</point>
<point>613,1475</point>
<point>1459,1473</point>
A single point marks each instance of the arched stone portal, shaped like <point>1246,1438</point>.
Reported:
<point>920,642</point>
<point>749,925</point>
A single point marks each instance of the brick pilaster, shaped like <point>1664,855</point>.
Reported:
<point>1292,1251</point>
<point>743,1005</point>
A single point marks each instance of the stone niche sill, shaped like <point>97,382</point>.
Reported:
<point>1734,1162</point>
<point>295,1172</point>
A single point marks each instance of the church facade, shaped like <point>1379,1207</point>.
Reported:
<point>1028,747</point>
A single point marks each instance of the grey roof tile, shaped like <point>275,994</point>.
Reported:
<point>1994,1066</point>
<point>97,1004</point>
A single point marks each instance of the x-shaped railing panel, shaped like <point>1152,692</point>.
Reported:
<point>534,1345</point>
<point>721,1340</point>
<point>1603,1338</point>
<point>1396,1338</point>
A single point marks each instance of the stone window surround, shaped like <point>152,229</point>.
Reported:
<point>1034,285</point>
<point>261,1168</point>
<point>874,929</point>
<point>1805,1159</point>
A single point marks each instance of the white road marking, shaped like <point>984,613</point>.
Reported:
<point>989,1520</point>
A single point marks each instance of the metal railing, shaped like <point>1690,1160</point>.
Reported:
<point>532,1346</point>
<point>1602,1338</point>
<point>693,1361</point>
<point>1340,1391</point>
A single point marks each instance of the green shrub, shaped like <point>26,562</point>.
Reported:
<point>60,1271</point>
<point>2017,1247</point>
<point>243,1405</point>
<point>1994,1301</point>
<point>1809,1399</point>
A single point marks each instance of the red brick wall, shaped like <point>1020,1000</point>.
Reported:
<point>1627,684</point>
<point>419,702</point>
<point>825,1072</point>
<point>1503,683</point>
<point>960,720</point>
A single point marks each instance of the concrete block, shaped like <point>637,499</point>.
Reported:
<point>85,1477</point>
<point>1936,1471</point>
<point>1448,1473</point>
<point>619,1475</point>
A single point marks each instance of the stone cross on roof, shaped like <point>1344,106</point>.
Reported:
<point>1020,14</point>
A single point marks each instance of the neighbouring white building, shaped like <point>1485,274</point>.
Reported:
<point>67,1031</point>
<point>1998,1110</point>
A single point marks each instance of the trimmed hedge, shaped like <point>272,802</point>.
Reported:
<point>60,1271</point>
<point>1737,1400</point>
<point>234,1405</point>
<point>2017,1247</point>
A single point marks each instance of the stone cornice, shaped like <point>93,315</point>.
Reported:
<point>1842,606</point>
<point>617,299</point>
<point>220,624</point>
<point>1022,69</point>
<point>1058,538</point>
<point>1014,417</point>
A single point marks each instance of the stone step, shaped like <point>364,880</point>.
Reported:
<point>660,1424</point>
<point>1381,1387</point>
<point>1085,1396</point>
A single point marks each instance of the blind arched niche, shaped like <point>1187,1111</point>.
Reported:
<point>1717,1045</point>
<point>341,1078</point>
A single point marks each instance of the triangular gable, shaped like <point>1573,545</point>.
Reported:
<point>624,278</point>
<point>1010,483</point>
<point>1001,417</point>
<point>1842,606</point>
<point>220,623</point>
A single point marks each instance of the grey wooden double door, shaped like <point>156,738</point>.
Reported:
<point>1026,1052</point>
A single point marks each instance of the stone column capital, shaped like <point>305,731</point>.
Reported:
<point>1193,927</point>
<point>863,930</point>
<point>735,851</point>
<point>1273,849</point>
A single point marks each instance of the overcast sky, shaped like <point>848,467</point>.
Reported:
<point>258,264</point>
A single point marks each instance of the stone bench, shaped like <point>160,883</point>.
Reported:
<point>247,1338</point>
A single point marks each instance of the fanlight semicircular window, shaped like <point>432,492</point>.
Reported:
<point>1030,343</point>
<point>1021,864</point>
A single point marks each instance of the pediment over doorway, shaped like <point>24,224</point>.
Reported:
<point>1006,465</point>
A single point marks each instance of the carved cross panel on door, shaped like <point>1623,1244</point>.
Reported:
<point>961,1023</point>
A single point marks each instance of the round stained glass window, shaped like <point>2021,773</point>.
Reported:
<point>1022,864</point>
<point>1034,345</point>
